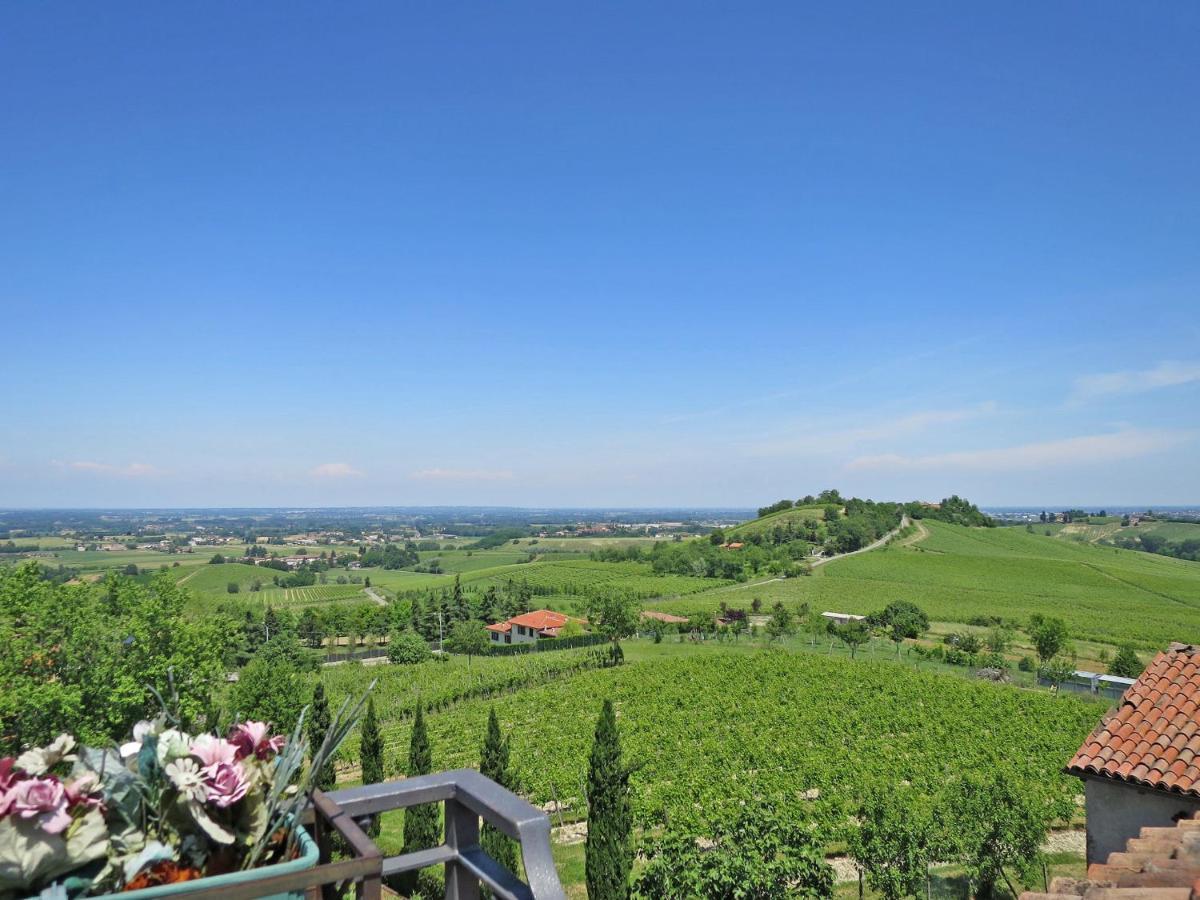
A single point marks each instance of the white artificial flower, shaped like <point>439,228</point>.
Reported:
<point>172,744</point>
<point>140,730</point>
<point>184,773</point>
<point>40,760</point>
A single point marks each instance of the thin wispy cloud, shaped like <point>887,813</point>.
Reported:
<point>1113,384</point>
<point>438,474</point>
<point>335,470</point>
<point>1126,444</point>
<point>132,470</point>
<point>847,439</point>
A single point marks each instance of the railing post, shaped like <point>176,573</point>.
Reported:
<point>462,833</point>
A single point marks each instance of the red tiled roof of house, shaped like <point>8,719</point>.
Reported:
<point>1153,739</point>
<point>540,619</point>
<point>501,627</point>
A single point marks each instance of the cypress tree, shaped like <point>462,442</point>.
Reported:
<point>609,850</point>
<point>318,725</point>
<point>371,755</point>
<point>421,827</point>
<point>494,763</point>
<point>417,616</point>
<point>460,607</point>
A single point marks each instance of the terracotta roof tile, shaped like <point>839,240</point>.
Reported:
<point>540,618</point>
<point>1153,738</point>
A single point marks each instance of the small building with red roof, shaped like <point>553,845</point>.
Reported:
<point>665,618</point>
<point>530,626</point>
<point>1141,765</point>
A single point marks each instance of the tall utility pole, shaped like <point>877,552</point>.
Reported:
<point>441,635</point>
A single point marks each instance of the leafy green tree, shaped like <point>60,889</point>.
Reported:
<point>318,725</point>
<point>895,844</point>
<point>902,618</point>
<point>470,638</point>
<point>614,615</point>
<point>781,624</point>
<point>406,647</point>
<point>269,687</point>
<point>609,847</point>
<point>997,828</point>
<point>1055,671</point>
<point>83,658</point>
<point>421,827</point>
<point>760,855</point>
<point>853,634</point>
<point>310,630</point>
<point>1049,637</point>
<point>571,629</point>
<point>998,639</point>
<point>1126,663</point>
<point>494,764</point>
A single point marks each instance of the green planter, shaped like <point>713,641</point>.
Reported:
<point>309,854</point>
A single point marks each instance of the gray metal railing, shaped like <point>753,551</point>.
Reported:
<point>467,797</point>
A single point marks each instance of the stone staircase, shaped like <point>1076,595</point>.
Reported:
<point>1159,864</point>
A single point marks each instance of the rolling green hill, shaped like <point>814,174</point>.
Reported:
<point>796,515</point>
<point>1168,538</point>
<point>958,574</point>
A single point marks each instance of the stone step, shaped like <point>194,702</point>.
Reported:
<point>1164,846</point>
<point>1175,864</point>
<point>1177,879</point>
<point>1130,860</point>
<point>1153,831</point>
<point>1138,893</point>
<point>1103,872</point>
<point>1062,884</point>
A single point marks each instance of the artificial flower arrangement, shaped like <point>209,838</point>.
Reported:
<point>166,807</point>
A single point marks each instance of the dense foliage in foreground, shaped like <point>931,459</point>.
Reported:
<point>813,736</point>
<point>78,658</point>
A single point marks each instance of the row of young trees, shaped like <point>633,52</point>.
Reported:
<point>980,822</point>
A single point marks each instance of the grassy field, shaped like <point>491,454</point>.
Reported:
<point>460,561</point>
<point>214,580</point>
<point>956,574</point>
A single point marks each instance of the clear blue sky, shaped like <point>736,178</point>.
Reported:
<point>631,254</point>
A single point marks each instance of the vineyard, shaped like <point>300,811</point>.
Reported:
<point>958,574</point>
<point>715,729</point>
<point>441,684</point>
<point>582,578</point>
<point>309,596</point>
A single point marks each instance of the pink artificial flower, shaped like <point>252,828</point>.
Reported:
<point>40,798</point>
<point>7,776</point>
<point>212,751</point>
<point>81,792</point>
<point>251,739</point>
<point>226,783</point>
